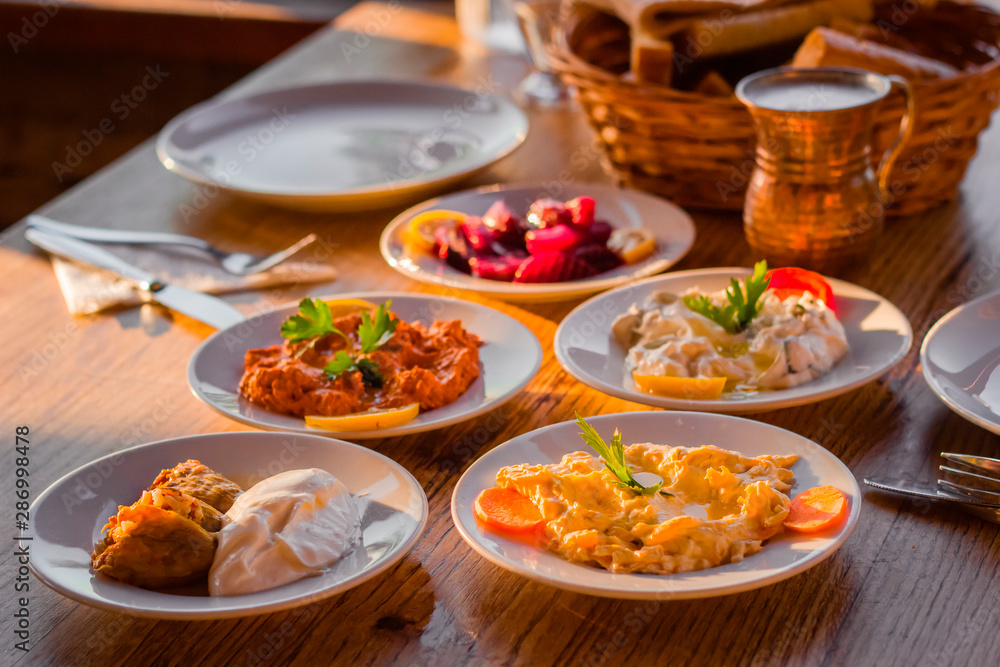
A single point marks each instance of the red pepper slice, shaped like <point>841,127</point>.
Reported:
<point>792,281</point>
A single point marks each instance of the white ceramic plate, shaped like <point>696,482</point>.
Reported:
<point>960,358</point>
<point>509,358</point>
<point>673,228</point>
<point>392,504</point>
<point>878,333</point>
<point>347,146</point>
<point>782,557</point>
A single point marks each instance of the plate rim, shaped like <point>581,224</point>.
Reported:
<point>343,586</point>
<point>538,291</point>
<point>932,382</point>
<point>399,190</point>
<point>753,405</point>
<point>664,595</point>
<point>397,431</point>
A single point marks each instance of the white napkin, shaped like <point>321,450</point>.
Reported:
<point>88,289</point>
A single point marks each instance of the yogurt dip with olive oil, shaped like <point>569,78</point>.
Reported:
<point>791,341</point>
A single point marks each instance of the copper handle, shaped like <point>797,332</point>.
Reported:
<point>905,129</point>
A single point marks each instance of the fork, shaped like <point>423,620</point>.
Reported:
<point>237,263</point>
<point>980,480</point>
<point>974,485</point>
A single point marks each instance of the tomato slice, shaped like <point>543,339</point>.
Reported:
<point>792,281</point>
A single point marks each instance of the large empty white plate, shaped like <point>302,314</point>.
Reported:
<point>672,227</point>
<point>509,358</point>
<point>960,358</point>
<point>66,520</point>
<point>782,557</point>
<point>878,333</point>
<point>349,145</point>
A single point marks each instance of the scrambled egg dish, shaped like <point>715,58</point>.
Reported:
<point>715,507</point>
<point>791,341</point>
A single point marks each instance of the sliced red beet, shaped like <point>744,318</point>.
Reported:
<point>554,239</point>
<point>495,268</point>
<point>581,210</point>
<point>552,267</point>
<point>507,228</point>
<point>600,231</point>
<point>441,240</point>
<point>454,248</point>
<point>480,236</point>
<point>598,256</point>
<point>548,213</point>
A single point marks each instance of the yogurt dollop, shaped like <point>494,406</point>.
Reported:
<point>282,529</point>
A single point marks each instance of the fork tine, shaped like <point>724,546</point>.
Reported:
<point>981,464</point>
<point>991,483</point>
<point>971,492</point>
<point>279,257</point>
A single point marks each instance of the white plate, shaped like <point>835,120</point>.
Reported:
<point>960,357</point>
<point>672,227</point>
<point>878,333</point>
<point>508,360</point>
<point>347,146</point>
<point>782,557</point>
<point>66,520</point>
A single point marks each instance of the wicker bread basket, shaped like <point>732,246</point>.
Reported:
<point>697,150</point>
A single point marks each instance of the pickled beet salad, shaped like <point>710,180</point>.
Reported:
<point>555,242</point>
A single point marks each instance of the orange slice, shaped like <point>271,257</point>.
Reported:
<point>632,244</point>
<point>342,307</point>
<point>419,232</point>
<point>365,421</point>
<point>696,389</point>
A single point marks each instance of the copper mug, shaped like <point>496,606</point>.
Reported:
<point>813,199</point>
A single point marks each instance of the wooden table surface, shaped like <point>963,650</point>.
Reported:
<point>915,584</point>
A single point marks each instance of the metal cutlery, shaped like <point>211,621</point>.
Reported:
<point>976,489</point>
<point>237,263</point>
<point>200,306</point>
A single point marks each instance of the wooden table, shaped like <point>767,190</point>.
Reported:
<point>915,584</point>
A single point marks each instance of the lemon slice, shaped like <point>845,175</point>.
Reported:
<point>342,307</point>
<point>695,389</point>
<point>633,244</point>
<point>419,233</point>
<point>365,421</point>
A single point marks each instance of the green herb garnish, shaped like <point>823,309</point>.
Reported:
<point>743,306</point>
<point>374,332</point>
<point>614,458</point>
<point>314,321</point>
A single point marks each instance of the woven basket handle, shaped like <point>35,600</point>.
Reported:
<point>905,129</point>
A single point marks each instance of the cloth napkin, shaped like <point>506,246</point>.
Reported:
<point>721,21</point>
<point>88,289</point>
<point>653,15</point>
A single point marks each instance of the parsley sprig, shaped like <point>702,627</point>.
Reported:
<point>614,458</point>
<point>314,320</point>
<point>743,306</point>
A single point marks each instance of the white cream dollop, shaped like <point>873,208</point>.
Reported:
<point>282,529</point>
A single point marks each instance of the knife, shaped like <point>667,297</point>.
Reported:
<point>911,487</point>
<point>202,307</point>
